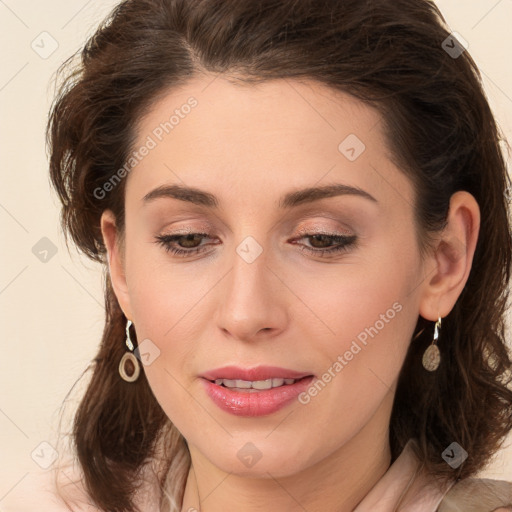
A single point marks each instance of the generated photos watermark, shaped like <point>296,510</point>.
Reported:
<point>151,142</point>
<point>344,359</point>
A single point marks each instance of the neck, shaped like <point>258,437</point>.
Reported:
<point>338,482</point>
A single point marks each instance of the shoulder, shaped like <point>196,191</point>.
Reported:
<point>478,495</point>
<point>46,491</point>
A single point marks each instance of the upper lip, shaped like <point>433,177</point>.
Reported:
<point>252,374</point>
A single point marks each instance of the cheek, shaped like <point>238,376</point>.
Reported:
<point>367,317</point>
<point>165,296</point>
<point>368,293</point>
<point>165,307</point>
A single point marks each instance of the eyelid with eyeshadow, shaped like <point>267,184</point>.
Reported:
<point>345,242</point>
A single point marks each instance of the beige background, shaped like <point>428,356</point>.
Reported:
<point>52,313</point>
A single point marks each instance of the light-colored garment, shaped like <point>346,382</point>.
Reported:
<point>475,495</point>
<point>404,488</point>
<point>401,489</point>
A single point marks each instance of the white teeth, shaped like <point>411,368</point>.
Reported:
<point>262,384</point>
<point>255,384</point>
<point>244,384</point>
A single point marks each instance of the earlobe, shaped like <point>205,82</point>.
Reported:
<point>115,261</point>
<point>450,263</point>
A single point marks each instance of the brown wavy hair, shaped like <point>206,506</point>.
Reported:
<point>441,134</point>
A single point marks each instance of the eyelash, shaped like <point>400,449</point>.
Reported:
<point>345,242</point>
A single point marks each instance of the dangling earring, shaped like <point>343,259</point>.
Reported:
<point>432,356</point>
<point>128,356</point>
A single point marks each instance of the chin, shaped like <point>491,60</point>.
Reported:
<point>258,459</point>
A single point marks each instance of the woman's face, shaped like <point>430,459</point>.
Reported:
<point>257,294</point>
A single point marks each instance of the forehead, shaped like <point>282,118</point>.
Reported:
<point>261,138</point>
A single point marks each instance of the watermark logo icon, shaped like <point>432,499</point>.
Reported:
<point>455,45</point>
<point>352,147</point>
<point>44,250</point>
<point>249,455</point>
<point>44,455</point>
<point>249,249</point>
<point>44,45</point>
<point>147,352</point>
<point>454,455</point>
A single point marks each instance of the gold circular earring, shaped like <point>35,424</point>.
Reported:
<point>129,359</point>
<point>432,356</point>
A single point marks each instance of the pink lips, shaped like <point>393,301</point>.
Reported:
<point>254,403</point>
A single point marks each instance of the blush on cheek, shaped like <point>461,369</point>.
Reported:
<point>379,342</point>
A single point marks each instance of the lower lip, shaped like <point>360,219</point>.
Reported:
<point>259,403</point>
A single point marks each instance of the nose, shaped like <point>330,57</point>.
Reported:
<point>252,298</point>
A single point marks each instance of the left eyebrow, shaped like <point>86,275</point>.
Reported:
<point>289,200</point>
<point>308,195</point>
<point>189,194</point>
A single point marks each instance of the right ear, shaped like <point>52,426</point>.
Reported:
<point>115,261</point>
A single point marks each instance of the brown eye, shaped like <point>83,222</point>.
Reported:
<point>321,240</point>
<point>188,244</point>
<point>190,240</point>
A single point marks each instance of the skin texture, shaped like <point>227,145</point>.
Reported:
<point>248,145</point>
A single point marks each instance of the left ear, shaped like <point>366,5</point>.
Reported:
<point>449,264</point>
